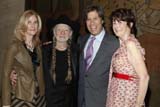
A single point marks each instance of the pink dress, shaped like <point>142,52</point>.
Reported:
<point>123,92</point>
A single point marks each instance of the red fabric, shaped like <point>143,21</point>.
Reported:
<point>123,76</point>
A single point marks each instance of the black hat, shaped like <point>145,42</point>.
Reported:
<point>63,19</point>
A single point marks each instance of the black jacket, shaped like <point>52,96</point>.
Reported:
<point>47,59</point>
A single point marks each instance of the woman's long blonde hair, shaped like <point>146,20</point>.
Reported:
<point>21,26</point>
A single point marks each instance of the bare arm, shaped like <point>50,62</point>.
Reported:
<point>137,60</point>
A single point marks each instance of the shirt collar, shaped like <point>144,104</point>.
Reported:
<point>100,36</point>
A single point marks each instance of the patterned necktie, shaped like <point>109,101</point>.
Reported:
<point>89,52</point>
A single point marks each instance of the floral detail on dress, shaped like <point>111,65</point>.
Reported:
<point>121,92</point>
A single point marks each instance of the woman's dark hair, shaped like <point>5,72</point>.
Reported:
<point>123,14</point>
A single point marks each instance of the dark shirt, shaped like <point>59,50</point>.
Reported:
<point>34,58</point>
<point>61,67</point>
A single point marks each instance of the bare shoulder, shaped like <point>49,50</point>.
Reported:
<point>133,49</point>
<point>130,45</point>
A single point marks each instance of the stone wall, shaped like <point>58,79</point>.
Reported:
<point>146,11</point>
<point>10,10</point>
<point>151,42</point>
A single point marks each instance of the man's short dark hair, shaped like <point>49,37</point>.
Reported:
<point>94,7</point>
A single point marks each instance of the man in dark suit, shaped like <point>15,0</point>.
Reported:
<point>94,67</point>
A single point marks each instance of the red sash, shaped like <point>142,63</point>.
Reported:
<point>123,76</point>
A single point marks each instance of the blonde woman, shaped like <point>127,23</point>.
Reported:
<point>24,55</point>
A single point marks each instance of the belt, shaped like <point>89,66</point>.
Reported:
<point>123,76</point>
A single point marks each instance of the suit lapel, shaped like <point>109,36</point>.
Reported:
<point>83,46</point>
<point>24,58</point>
<point>84,43</point>
<point>100,54</point>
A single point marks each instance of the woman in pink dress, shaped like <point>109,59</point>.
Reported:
<point>128,81</point>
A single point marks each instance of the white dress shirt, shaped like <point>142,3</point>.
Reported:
<point>96,44</point>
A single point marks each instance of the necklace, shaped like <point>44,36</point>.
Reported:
<point>30,47</point>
